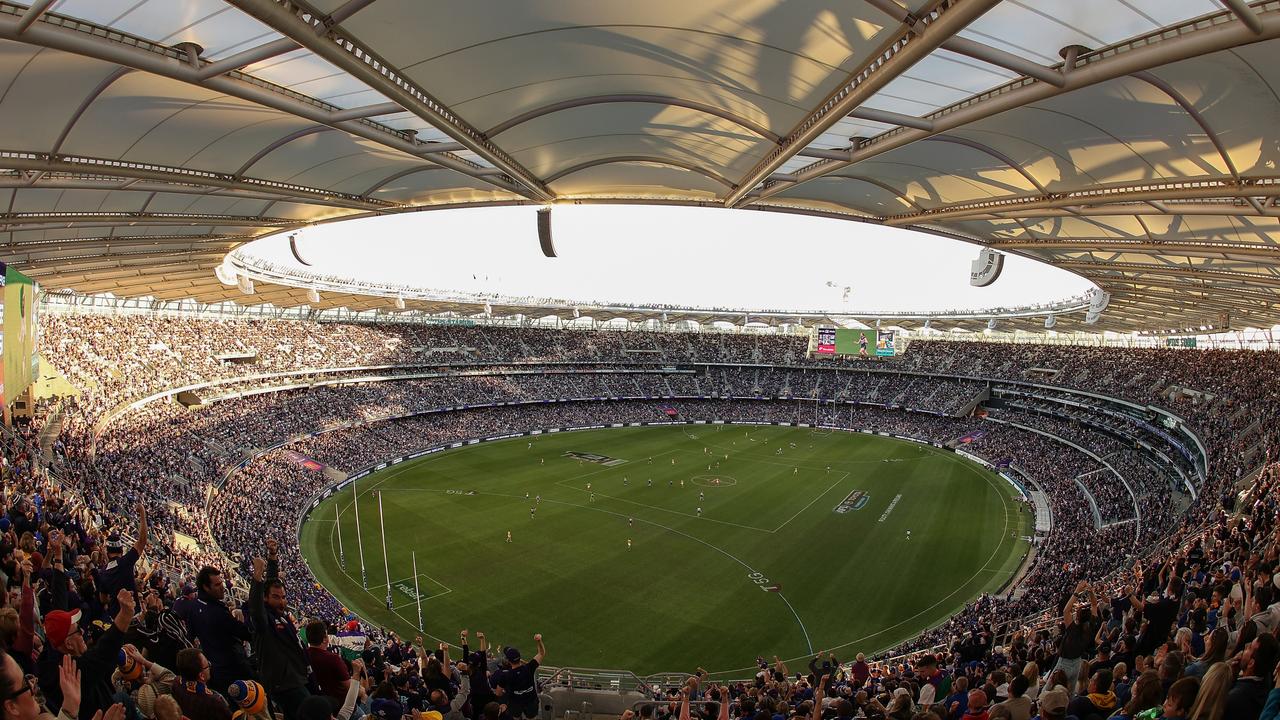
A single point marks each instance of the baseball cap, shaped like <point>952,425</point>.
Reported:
<point>512,654</point>
<point>1053,701</point>
<point>58,624</point>
<point>385,709</point>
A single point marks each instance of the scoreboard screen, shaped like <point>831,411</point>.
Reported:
<point>865,343</point>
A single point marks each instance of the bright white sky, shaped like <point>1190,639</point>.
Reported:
<point>702,257</point>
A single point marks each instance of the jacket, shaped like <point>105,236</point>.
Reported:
<point>220,635</point>
<point>275,640</point>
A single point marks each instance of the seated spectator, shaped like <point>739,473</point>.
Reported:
<point>191,688</point>
<point>1257,664</point>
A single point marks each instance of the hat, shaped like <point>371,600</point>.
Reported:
<point>385,709</point>
<point>57,626</point>
<point>4,524</point>
<point>249,695</point>
<point>1053,701</point>
<point>512,654</point>
<point>113,544</point>
<point>130,669</point>
<point>146,700</point>
<point>430,715</point>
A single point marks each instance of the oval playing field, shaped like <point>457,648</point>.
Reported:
<point>620,559</point>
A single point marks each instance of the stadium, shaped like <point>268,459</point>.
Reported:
<point>766,360</point>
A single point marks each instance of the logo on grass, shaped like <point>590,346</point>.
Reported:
<point>408,590</point>
<point>592,457</point>
<point>855,500</point>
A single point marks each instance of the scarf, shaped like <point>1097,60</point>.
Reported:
<point>1103,701</point>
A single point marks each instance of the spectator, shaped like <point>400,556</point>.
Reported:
<point>330,671</point>
<point>516,684</point>
<point>221,634</point>
<point>1181,698</point>
<point>1211,701</point>
<point>191,688</point>
<point>1256,663</point>
<point>275,637</point>
<point>1018,705</point>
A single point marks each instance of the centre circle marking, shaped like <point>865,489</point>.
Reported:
<point>713,481</point>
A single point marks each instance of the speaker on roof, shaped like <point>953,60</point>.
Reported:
<point>246,284</point>
<point>1091,317</point>
<point>399,303</point>
<point>1050,321</point>
<point>313,295</point>
<point>992,323</point>
<point>544,232</point>
<point>1099,301</point>
<point>986,268</point>
<point>226,275</point>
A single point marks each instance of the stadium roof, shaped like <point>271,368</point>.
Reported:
<point>1134,142</point>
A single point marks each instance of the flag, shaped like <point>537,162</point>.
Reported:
<point>670,411</point>
<point>350,644</point>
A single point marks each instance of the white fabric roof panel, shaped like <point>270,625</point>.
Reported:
<point>1119,175</point>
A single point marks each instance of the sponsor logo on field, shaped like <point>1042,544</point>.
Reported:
<point>407,590</point>
<point>592,457</point>
<point>855,500</point>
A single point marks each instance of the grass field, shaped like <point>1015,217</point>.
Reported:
<point>770,568</point>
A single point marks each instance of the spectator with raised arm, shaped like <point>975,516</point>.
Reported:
<point>516,686</point>
<point>275,636</point>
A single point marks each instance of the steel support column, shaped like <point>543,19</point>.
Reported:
<point>895,57</point>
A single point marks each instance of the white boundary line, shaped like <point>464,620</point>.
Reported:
<point>804,630</point>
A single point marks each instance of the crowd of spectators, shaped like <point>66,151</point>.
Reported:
<point>1105,601</point>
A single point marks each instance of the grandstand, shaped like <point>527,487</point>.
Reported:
<point>216,465</point>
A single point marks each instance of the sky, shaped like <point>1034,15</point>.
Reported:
<point>699,257</point>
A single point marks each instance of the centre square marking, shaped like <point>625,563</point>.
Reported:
<point>855,500</point>
<point>714,480</point>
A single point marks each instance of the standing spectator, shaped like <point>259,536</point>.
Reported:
<point>275,637</point>
<point>221,635</point>
<point>163,632</point>
<point>516,684</point>
<point>330,671</point>
<point>1078,631</point>
<point>118,573</point>
<point>97,663</point>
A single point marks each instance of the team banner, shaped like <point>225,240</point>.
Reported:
<point>21,358</point>
<point>306,462</point>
